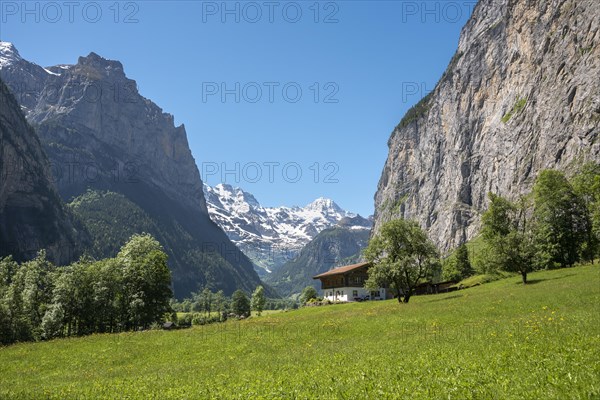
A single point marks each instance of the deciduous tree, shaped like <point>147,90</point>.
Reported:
<point>146,281</point>
<point>561,221</point>
<point>586,184</point>
<point>240,304</point>
<point>507,232</point>
<point>402,255</point>
<point>308,293</point>
<point>258,300</point>
<point>220,302</point>
<point>458,266</point>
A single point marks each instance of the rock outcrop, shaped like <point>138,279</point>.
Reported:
<point>98,129</point>
<point>521,94</point>
<point>101,135</point>
<point>32,216</point>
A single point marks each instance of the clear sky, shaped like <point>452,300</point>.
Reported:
<point>288,100</point>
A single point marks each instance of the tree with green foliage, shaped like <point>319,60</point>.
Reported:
<point>107,293</point>
<point>5,324</point>
<point>507,233</point>
<point>463,265</point>
<point>240,305</point>
<point>402,255</point>
<point>52,322</point>
<point>185,306</point>
<point>458,266</point>
<point>281,304</point>
<point>308,293</point>
<point>449,270</point>
<point>258,300</point>
<point>19,323</point>
<point>37,290</point>
<point>197,303</point>
<point>499,218</point>
<point>586,184</point>
<point>80,297</point>
<point>8,268</point>
<point>41,301</point>
<point>64,296</point>
<point>561,221</point>
<point>9,306</point>
<point>220,302</point>
<point>146,281</point>
<point>27,291</point>
<point>204,301</point>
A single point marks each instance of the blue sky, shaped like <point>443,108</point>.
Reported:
<point>358,64</point>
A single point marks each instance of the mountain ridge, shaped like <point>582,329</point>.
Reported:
<point>102,135</point>
<point>271,236</point>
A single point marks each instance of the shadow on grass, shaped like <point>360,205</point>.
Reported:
<point>454,296</point>
<point>534,281</point>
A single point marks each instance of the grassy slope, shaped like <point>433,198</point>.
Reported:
<point>496,341</point>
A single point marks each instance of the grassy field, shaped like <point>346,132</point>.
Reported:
<point>216,314</point>
<point>500,340</point>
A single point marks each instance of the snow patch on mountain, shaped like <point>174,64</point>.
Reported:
<point>8,54</point>
<point>270,236</point>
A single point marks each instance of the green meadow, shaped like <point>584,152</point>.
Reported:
<point>499,340</point>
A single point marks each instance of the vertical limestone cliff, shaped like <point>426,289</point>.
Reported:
<point>128,167</point>
<point>521,94</point>
<point>32,216</point>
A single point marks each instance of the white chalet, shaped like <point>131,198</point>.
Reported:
<point>347,284</point>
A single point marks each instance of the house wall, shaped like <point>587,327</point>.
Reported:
<point>347,294</point>
<point>352,279</point>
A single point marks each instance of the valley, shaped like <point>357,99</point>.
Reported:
<point>443,241</point>
<point>271,236</point>
<point>496,340</point>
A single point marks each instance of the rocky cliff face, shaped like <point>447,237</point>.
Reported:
<point>32,216</point>
<point>101,135</point>
<point>98,129</point>
<point>521,94</point>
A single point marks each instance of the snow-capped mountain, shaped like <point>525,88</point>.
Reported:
<point>8,54</point>
<point>270,236</point>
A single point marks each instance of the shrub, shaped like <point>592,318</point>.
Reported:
<point>519,105</point>
<point>186,320</point>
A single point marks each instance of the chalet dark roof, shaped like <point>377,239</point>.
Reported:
<point>341,270</point>
<point>168,325</point>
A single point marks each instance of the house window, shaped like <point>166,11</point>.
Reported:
<point>355,293</point>
<point>342,292</point>
<point>375,294</point>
